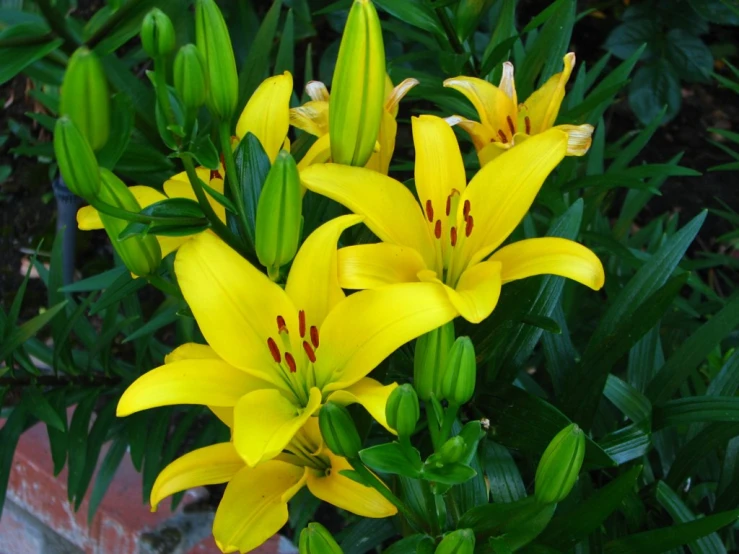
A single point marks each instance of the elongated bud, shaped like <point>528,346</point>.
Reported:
<point>560,465</point>
<point>460,372</point>
<point>315,539</point>
<point>278,215</point>
<point>85,98</point>
<point>429,360</point>
<point>338,430</point>
<point>402,410</point>
<point>190,77</point>
<point>468,16</point>
<point>452,450</point>
<point>141,254</point>
<point>461,541</point>
<point>77,162</point>
<point>157,34</point>
<point>358,87</point>
<point>214,43</point>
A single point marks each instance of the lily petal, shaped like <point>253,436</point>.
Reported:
<point>318,153</point>
<point>492,104</point>
<point>482,137</point>
<point>380,160</point>
<point>191,351</point>
<point>211,465</point>
<point>543,105</point>
<point>88,218</point>
<point>317,91</point>
<point>311,117</point>
<point>550,256</point>
<point>369,393</point>
<point>578,138</point>
<point>477,291</point>
<point>396,94</point>
<point>254,506</point>
<point>370,266</point>
<point>492,151</point>
<point>265,421</point>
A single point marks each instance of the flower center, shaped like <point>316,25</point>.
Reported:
<point>449,232</point>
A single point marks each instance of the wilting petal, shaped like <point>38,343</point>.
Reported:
<point>508,83</point>
<point>347,494</point>
<point>543,105</point>
<point>265,421</point>
<point>313,283</point>
<point>267,113</point>
<point>482,137</point>
<point>390,210</point>
<point>318,153</point>
<point>369,266</point>
<point>368,326</point>
<point>380,160</point>
<point>550,256</point>
<point>254,506</point>
<point>369,393</point>
<point>477,291</point>
<point>205,382</point>
<point>397,94</point>
<point>494,106</point>
<point>211,465</point>
<point>311,117</point>
<point>317,91</point>
<point>578,138</point>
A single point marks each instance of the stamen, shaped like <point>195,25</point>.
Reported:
<point>503,138</point>
<point>291,362</point>
<point>468,227</point>
<point>314,335</point>
<point>301,320</point>
<point>511,126</point>
<point>429,210</point>
<point>309,350</point>
<point>466,209</point>
<point>281,325</point>
<point>448,205</point>
<point>437,229</point>
<point>527,121</point>
<point>454,236</point>
<point>215,174</point>
<point>274,350</point>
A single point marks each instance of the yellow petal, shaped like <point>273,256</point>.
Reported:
<point>225,414</point>
<point>397,94</point>
<point>477,291</point>
<point>318,153</point>
<point>389,208</point>
<point>254,505</point>
<point>181,188</point>
<point>267,113</point>
<point>191,351</point>
<point>380,160</point>
<point>369,266</point>
<point>313,283</point>
<point>311,117</point>
<point>265,422</point>
<point>492,151</point>
<point>368,326</point>
<point>205,382</point>
<point>578,138</point>
<point>211,465</point>
<point>369,393</point>
<point>550,256</point>
<point>347,494</point>
<point>496,109</point>
<point>508,83</point>
<point>88,219</point>
<point>482,137</point>
<point>543,105</point>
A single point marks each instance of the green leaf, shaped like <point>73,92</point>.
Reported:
<point>252,166</point>
<point>165,315</point>
<point>367,534</point>
<point>96,282</point>
<point>122,287</point>
<point>628,37</point>
<point>448,474</point>
<point>393,458</point>
<point>21,334</point>
<point>9,435</point>
<point>257,61</point>
<point>501,41</point>
<point>654,86</point>
<point>285,60</point>
<point>503,476</point>
<point>687,458</point>
<point>78,432</point>
<point>105,475</point>
<point>413,12</point>
<point>17,58</point>
<point>628,400</point>
<point>689,56</point>
<point>154,447</point>
<point>721,12</point>
<point>696,409</point>
<point>42,410</point>
<point>627,155</point>
<point>504,519</point>
<point>205,152</point>
<point>628,443</point>
<point>121,124</point>
<point>98,433</point>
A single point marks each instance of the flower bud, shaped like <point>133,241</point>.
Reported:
<point>85,97</point>
<point>315,539</point>
<point>157,34</point>
<point>358,87</point>
<point>460,372</point>
<point>560,465</point>
<point>214,43</point>
<point>76,160</point>
<point>338,430</point>
<point>141,254</point>
<point>452,450</point>
<point>468,16</point>
<point>190,78</point>
<point>429,360</point>
<point>461,541</point>
<point>278,215</point>
<point>402,410</point>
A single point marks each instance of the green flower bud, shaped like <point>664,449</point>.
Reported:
<point>85,97</point>
<point>560,465</point>
<point>461,541</point>
<point>460,372</point>
<point>190,78</point>
<point>358,87</point>
<point>279,210</point>
<point>338,430</point>
<point>452,450</point>
<point>429,360</point>
<point>157,34</point>
<point>214,43</point>
<point>468,16</point>
<point>315,539</point>
<point>77,162</point>
<point>141,254</point>
<point>402,410</point>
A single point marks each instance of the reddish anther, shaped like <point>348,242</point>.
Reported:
<point>454,236</point>
<point>511,126</point>
<point>468,227</point>
<point>527,121</point>
<point>309,350</point>
<point>291,362</point>
<point>215,174</point>
<point>223,160</point>
<point>301,321</point>
<point>437,229</point>
<point>281,325</point>
<point>314,335</point>
<point>429,210</point>
<point>448,205</point>
<point>466,209</point>
<point>274,350</point>
<point>503,138</point>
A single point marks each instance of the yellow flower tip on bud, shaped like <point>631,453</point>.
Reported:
<point>560,465</point>
<point>402,410</point>
<point>157,34</point>
<point>190,78</point>
<point>85,98</point>
<point>279,213</point>
<point>461,541</point>
<point>430,359</point>
<point>338,430</point>
<point>357,96</point>
<point>315,539</point>
<point>460,373</point>
<point>214,43</point>
<point>77,162</point>
<point>452,450</point>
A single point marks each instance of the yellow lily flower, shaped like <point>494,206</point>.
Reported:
<point>312,117</point>
<point>254,506</point>
<point>278,355</point>
<point>449,237</point>
<point>504,122</point>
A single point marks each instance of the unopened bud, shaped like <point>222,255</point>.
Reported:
<point>429,360</point>
<point>157,34</point>
<point>358,87</point>
<point>468,16</point>
<point>85,98</point>
<point>560,465</point>
<point>190,78</point>
<point>461,541</point>
<point>452,450</point>
<point>315,539</point>
<point>77,162</point>
<point>402,410</point>
<point>278,215</point>
<point>338,430</point>
<point>458,379</point>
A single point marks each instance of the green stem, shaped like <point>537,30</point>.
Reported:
<point>431,511</point>
<point>58,23</point>
<point>160,78</point>
<point>25,40</point>
<point>452,503</point>
<point>433,428</point>
<point>451,35</point>
<point>167,287</point>
<point>120,213</point>
<point>231,175</point>
<point>450,414</point>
